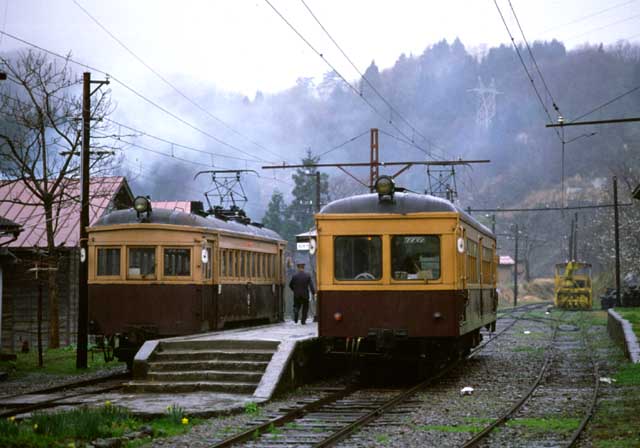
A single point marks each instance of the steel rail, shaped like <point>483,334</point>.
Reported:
<point>81,383</point>
<point>504,417</point>
<point>282,420</point>
<point>52,402</point>
<point>594,399</point>
<point>343,433</point>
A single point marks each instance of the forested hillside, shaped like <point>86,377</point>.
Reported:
<point>482,105</point>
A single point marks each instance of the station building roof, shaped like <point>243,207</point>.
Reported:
<point>19,204</point>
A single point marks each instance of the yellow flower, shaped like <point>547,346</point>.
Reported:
<point>12,418</point>
<point>35,426</point>
<point>185,421</point>
<point>107,403</point>
<point>71,445</point>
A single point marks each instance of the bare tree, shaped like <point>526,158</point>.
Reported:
<point>40,140</point>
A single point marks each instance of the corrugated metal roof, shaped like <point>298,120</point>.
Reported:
<point>181,206</point>
<point>19,204</point>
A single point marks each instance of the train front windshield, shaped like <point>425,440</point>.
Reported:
<point>358,258</point>
<point>415,257</point>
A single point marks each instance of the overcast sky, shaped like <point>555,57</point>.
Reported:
<point>242,45</point>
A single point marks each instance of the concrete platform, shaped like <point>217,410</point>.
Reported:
<point>277,357</point>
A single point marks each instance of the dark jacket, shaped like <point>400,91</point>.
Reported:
<point>301,284</point>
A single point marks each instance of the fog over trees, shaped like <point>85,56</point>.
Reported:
<point>483,106</point>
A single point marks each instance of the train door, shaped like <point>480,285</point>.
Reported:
<point>207,261</point>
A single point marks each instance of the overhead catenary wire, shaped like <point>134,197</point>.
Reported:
<point>349,85</point>
<point>138,131</point>
<point>171,85</point>
<point>533,59</point>
<point>524,66</point>
<point>588,16</point>
<point>343,143</point>
<point>135,92</point>
<point>375,90</point>
<point>603,105</point>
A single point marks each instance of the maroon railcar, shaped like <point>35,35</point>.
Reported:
<point>172,273</point>
<point>403,273</point>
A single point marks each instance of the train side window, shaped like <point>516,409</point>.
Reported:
<point>487,261</point>
<point>358,258</point>
<point>177,262</point>
<point>108,261</point>
<point>472,262</point>
<point>232,263</point>
<point>142,262</point>
<point>241,264</point>
<point>415,257</point>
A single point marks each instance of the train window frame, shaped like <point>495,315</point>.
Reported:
<point>486,263</point>
<point>364,279</point>
<point>473,254</point>
<point>417,279</point>
<point>119,258</point>
<point>176,276</point>
<point>152,276</point>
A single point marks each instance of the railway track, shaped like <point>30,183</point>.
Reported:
<point>61,395</point>
<point>562,380</point>
<point>336,416</point>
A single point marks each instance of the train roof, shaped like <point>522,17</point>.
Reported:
<point>180,218</point>
<point>403,203</point>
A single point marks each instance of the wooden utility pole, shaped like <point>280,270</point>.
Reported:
<point>374,170</point>
<point>617,236</point>
<point>83,274</point>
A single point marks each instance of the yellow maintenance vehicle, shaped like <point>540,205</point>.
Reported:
<point>573,285</point>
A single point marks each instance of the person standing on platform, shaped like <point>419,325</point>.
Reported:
<point>301,285</point>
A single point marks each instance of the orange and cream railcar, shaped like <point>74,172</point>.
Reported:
<point>403,273</point>
<point>172,273</point>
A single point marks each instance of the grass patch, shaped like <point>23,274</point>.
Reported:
<point>633,316</point>
<point>60,361</point>
<point>545,424</point>
<point>528,349</point>
<point>450,428</point>
<point>628,375</point>
<point>383,439</point>
<point>252,408</point>
<point>77,427</point>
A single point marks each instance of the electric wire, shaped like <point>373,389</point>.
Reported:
<point>580,19</point>
<point>524,66</point>
<point>136,93</point>
<point>603,27</point>
<point>141,132</point>
<point>603,105</point>
<point>168,83</point>
<point>351,87</point>
<point>343,144</point>
<point>535,63</point>
<point>389,105</point>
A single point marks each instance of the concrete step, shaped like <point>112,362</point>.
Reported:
<point>211,355</point>
<point>189,386</point>
<point>206,375</point>
<point>181,366</point>
<point>229,345</point>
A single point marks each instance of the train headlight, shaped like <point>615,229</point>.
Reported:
<point>385,186</point>
<point>142,204</point>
